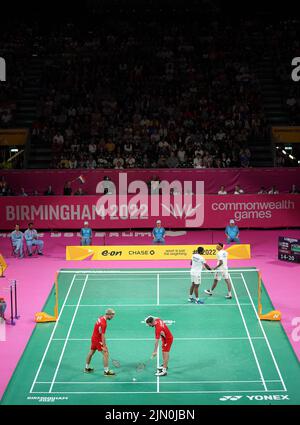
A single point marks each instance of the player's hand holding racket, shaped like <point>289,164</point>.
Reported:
<point>142,366</point>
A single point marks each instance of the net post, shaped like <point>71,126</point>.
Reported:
<point>16,304</point>
<point>259,307</point>
<point>12,322</point>
<point>56,296</point>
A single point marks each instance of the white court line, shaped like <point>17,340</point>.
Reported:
<point>128,278</point>
<point>68,334</point>
<point>89,271</point>
<point>154,382</point>
<point>265,336</point>
<point>161,305</point>
<point>51,336</point>
<point>249,337</point>
<point>154,392</point>
<point>151,339</point>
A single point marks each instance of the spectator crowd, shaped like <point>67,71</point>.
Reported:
<point>149,93</point>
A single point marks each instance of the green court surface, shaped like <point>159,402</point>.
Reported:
<point>222,353</point>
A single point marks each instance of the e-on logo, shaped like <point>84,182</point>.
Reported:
<point>107,253</point>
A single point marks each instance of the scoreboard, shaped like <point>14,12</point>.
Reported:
<point>289,249</point>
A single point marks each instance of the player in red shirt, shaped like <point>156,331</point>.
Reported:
<point>99,343</point>
<point>161,331</point>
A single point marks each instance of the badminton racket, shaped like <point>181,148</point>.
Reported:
<point>142,366</point>
<point>116,363</point>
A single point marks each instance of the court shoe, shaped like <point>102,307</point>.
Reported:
<point>88,370</point>
<point>228,297</point>
<point>160,368</point>
<point>161,373</point>
<point>208,291</point>
<point>109,373</point>
<point>199,302</point>
<point>191,300</point>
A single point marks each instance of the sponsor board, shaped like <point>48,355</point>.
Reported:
<point>214,212</point>
<point>150,252</point>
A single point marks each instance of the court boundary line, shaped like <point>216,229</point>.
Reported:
<point>264,334</point>
<point>161,305</point>
<point>154,382</point>
<point>81,272</point>
<point>91,271</point>
<point>151,339</point>
<point>52,334</point>
<point>249,337</point>
<point>157,357</point>
<point>68,334</point>
<point>154,392</point>
<point>128,278</point>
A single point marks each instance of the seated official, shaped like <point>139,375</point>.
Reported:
<point>232,232</point>
<point>31,238</point>
<point>17,238</point>
<point>158,233</point>
<point>86,234</point>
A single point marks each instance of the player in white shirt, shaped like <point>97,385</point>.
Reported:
<point>222,271</point>
<point>198,263</point>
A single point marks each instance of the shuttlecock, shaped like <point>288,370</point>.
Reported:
<point>134,379</point>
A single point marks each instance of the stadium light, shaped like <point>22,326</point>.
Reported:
<point>283,151</point>
<point>291,156</point>
<point>13,150</point>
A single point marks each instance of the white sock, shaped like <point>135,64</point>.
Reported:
<point>164,369</point>
<point>106,369</point>
<point>87,366</point>
<point>197,299</point>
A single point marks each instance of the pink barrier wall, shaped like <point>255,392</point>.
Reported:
<point>212,211</point>
<point>249,179</point>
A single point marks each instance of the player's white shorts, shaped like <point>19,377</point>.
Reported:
<point>222,273</point>
<point>196,278</point>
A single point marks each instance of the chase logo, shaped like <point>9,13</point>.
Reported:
<point>230,397</point>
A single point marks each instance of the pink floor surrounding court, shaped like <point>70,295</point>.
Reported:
<point>35,278</point>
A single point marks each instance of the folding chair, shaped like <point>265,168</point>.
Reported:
<point>34,249</point>
<point>13,253</point>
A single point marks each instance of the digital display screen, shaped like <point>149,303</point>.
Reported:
<point>289,249</point>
